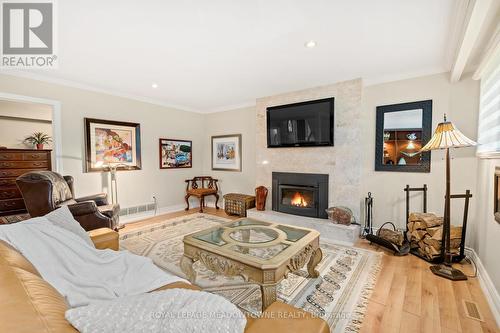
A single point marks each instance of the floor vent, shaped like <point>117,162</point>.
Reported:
<point>472,310</point>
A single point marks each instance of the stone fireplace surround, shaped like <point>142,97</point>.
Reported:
<point>342,162</point>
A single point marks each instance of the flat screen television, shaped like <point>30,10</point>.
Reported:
<point>306,124</point>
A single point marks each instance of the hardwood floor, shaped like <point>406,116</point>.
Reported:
<point>407,296</point>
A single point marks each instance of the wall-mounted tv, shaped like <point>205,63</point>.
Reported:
<point>306,124</point>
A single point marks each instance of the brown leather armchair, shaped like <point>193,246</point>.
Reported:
<point>45,191</point>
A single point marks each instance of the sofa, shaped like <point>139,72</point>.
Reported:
<point>30,304</point>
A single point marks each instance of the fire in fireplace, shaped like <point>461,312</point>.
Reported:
<point>298,200</point>
<point>300,193</point>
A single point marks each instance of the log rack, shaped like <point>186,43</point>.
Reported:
<point>467,195</point>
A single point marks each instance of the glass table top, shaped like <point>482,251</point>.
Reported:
<point>249,237</point>
<point>213,237</point>
<point>254,235</point>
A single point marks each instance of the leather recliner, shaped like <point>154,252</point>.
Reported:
<point>45,191</point>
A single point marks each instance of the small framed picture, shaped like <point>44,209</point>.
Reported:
<point>497,194</point>
<point>110,142</point>
<point>226,152</point>
<point>176,154</point>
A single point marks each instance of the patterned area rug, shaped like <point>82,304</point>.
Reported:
<point>339,295</point>
<point>13,218</point>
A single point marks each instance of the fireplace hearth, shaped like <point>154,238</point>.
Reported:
<point>303,194</point>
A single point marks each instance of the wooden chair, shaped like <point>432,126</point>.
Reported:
<point>193,189</point>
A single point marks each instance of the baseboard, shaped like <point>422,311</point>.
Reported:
<point>489,290</point>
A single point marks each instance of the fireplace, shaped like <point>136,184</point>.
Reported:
<point>304,194</point>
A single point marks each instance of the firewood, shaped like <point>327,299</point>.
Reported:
<point>432,231</point>
<point>419,225</point>
<point>438,235</point>
<point>432,221</point>
<point>436,244</point>
<point>455,232</point>
<point>418,234</point>
<point>455,243</point>
<point>395,237</point>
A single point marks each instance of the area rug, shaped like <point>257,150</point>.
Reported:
<point>339,295</point>
<point>13,218</point>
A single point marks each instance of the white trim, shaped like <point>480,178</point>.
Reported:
<point>489,290</point>
<point>476,19</point>
<point>83,86</point>
<point>371,81</point>
<point>56,122</point>
<point>490,155</point>
<point>459,21</point>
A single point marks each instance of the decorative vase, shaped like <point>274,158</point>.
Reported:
<point>39,146</point>
<point>260,197</point>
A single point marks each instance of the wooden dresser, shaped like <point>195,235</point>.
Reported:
<point>13,163</point>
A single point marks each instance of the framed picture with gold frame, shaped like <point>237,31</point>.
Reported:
<point>110,142</point>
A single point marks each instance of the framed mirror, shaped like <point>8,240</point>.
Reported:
<point>402,130</point>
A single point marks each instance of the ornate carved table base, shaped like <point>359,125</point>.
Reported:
<point>268,295</point>
<point>187,268</point>
<point>233,249</point>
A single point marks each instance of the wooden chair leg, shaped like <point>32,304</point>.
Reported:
<point>216,200</point>
<point>187,201</point>
<point>202,202</point>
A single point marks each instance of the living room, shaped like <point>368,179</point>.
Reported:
<point>186,117</point>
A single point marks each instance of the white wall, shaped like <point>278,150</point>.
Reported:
<point>460,102</point>
<point>19,120</point>
<point>135,187</point>
<point>240,121</point>
<point>485,233</point>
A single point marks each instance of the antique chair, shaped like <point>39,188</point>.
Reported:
<point>45,191</point>
<point>194,189</point>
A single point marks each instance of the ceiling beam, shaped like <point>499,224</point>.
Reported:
<point>492,51</point>
<point>478,12</point>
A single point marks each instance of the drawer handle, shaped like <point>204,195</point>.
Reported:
<point>37,164</point>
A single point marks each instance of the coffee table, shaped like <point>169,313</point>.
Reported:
<point>261,252</point>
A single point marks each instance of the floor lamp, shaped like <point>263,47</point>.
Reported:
<point>113,167</point>
<point>447,136</point>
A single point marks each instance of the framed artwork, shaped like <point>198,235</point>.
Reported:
<point>109,142</point>
<point>226,152</point>
<point>175,154</point>
<point>497,194</point>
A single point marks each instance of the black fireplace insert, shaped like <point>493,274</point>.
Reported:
<point>304,194</point>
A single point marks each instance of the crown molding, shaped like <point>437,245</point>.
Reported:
<point>371,81</point>
<point>84,86</point>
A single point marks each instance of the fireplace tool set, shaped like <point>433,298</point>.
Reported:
<point>367,233</point>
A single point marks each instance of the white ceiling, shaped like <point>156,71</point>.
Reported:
<point>207,56</point>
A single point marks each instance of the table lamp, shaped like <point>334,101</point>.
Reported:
<point>447,136</point>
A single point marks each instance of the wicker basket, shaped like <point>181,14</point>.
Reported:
<point>237,204</point>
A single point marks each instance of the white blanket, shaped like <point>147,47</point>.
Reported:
<point>77,270</point>
<point>173,311</point>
